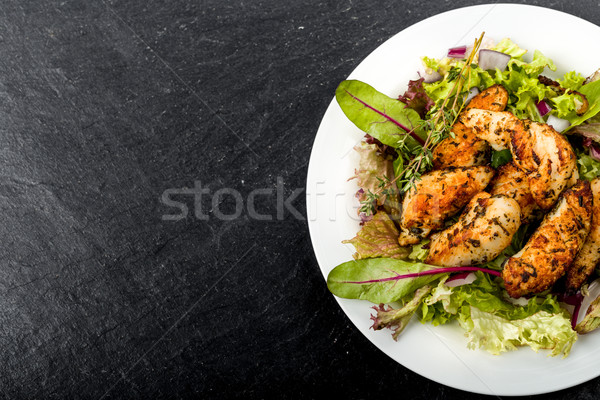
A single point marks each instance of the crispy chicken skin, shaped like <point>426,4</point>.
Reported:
<point>485,228</point>
<point>546,157</point>
<point>439,195</point>
<point>553,246</point>
<point>589,255</point>
<point>494,127</point>
<point>512,182</point>
<point>465,149</point>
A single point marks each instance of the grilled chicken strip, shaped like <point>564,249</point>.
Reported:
<point>512,182</point>
<point>438,195</point>
<point>465,149</point>
<point>494,127</point>
<point>485,228</point>
<point>553,246</point>
<point>589,255</point>
<point>546,157</point>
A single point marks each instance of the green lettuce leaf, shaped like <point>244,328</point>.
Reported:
<point>589,168</point>
<point>525,89</point>
<point>382,117</point>
<point>572,80</point>
<point>365,279</point>
<point>378,238</point>
<point>565,105</point>
<point>418,253</point>
<point>541,330</point>
<point>487,295</point>
<point>498,325</point>
<point>537,65</point>
<point>592,93</point>
<point>507,46</point>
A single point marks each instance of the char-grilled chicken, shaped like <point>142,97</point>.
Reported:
<point>589,255</point>
<point>482,232</point>
<point>438,195</point>
<point>543,154</point>
<point>495,127</point>
<point>465,149</point>
<point>553,246</point>
<point>512,182</point>
<point>547,158</point>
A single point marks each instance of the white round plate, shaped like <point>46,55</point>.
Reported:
<point>440,353</point>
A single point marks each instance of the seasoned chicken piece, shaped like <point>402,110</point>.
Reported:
<point>553,246</point>
<point>546,157</point>
<point>485,228</point>
<point>493,98</point>
<point>465,149</point>
<point>492,126</point>
<point>589,255</point>
<point>512,182</point>
<point>438,195</point>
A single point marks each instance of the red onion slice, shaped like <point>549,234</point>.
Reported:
<point>491,59</point>
<point>543,107</point>
<point>430,77</point>
<point>558,124</point>
<point>593,293</point>
<point>457,52</point>
<point>593,147</point>
<point>464,278</point>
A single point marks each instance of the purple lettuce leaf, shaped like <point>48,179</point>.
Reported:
<point>397,319</point>
<point>416,98</point>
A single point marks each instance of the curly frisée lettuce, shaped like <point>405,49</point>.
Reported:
<point>489,321</point>
<point>541,330</point>
<point>496,325</point>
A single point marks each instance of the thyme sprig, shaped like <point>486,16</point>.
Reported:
<point>413,163</point>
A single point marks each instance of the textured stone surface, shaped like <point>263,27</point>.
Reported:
<point>104,106</point>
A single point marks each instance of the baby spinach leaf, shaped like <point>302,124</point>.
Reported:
<point>373,279</point>
<point>386,119</point>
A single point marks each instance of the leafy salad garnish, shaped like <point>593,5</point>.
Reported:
<point>401,134</point>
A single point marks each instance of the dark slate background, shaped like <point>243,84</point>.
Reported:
<point>106,105</point>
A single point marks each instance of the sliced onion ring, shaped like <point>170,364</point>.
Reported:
<point>558,124</point>
<point>457,52</point>
<point>464,278</point>
<point>491,59</point>
<point>593,293</point>
<point>543,107</point>
<point>430,77</point>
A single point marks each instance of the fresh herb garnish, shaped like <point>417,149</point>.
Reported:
<point>413,160</point>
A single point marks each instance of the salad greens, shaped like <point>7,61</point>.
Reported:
<point>372,279</point>
<point>394,277</point>
<point>378,238</point>
<point>386,119</point>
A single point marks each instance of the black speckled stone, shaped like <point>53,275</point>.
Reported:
<point>105,105</point>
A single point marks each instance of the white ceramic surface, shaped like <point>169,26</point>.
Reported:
<point>440,353</point>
